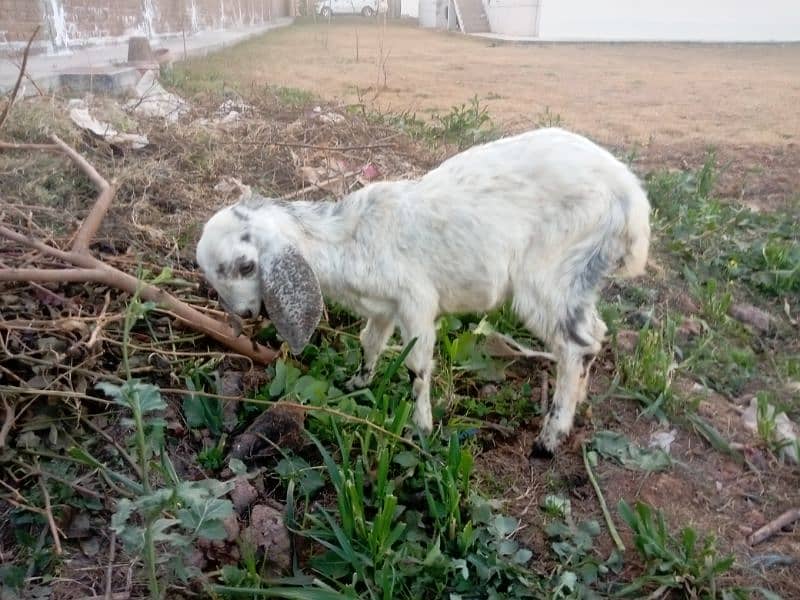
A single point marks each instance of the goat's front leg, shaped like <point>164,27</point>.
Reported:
<point>575,344</point>
<point>420,365</point>
<point>373,338</point>
<point>570,386</point>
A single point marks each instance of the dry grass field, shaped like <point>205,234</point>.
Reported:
<point>669,101</point>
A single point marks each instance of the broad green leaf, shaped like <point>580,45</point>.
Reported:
<point>522,556</point>
<point>237,467</point>
<point>121,515</point>
<point>201,411</point>
<point>616,446</point>
<point>505,526</point>
<point>407,459</point>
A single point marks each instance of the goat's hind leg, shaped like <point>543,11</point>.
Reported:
<point>373,338</point>
<point>576,343</point>
<point>420,364</point>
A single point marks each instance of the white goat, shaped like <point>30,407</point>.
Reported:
<point>540,217</point>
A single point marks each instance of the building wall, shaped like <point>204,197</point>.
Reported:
<point>674,20</point>
<point>513,17</point>
<point>427,13</point>
<point>69,23</point>
<point>433,13</point>
<point>409,8</point>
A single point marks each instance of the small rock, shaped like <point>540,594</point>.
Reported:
<point>785,429</point>
<point>79,526</point>
<point>243,494</point>
<point>487,391</point>
<point>232,529</point>
<point>663,439</point>
<point>688,329</point>
<point>751,315</point>
<point>197,559</point>
<point>231,383</point>
<point>642,318</point>
<point>90,546</point>
<point>685,304</point>
<point>755,519</point>
<point>282,424</point>
<point>627,340</point>
<point>267,531</point>
<point>757,458</point>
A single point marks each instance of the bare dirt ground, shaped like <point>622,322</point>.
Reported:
<point>668,102</point>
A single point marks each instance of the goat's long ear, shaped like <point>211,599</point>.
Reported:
<point>291,295</point>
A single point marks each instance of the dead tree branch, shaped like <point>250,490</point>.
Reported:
<point>15,91</point>
<point>774,526</point>
<point>87,268</point>
<point>9,419</point>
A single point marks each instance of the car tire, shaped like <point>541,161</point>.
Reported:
<point>367,11</point>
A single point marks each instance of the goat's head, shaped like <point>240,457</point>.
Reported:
<point>248,258</point>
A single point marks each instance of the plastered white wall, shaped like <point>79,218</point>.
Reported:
<point>675,20</point>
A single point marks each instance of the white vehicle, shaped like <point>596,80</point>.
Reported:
<point>366,8</point>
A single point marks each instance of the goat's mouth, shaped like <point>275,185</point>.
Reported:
<point>236,321</point>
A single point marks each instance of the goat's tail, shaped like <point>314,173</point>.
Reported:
<point>636,233</point>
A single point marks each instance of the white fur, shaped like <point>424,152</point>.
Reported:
<point>540,218</point>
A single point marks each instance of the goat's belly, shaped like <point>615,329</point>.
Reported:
<point>472,296</point>
<point>364,305</point>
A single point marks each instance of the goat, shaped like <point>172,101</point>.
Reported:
<point>540,218</point>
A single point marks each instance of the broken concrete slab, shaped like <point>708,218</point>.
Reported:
<point>113,81</point>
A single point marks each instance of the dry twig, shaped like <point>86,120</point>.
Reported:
<point>15,91</point>
<point>774,526</point>
<point>612,530</point>
<point>110,570</point>
<point>8,421</point>
<point>48,509</point>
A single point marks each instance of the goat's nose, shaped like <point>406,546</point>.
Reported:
<point>247,314</point>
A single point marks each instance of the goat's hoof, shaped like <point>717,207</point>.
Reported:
<point>354,384</point>
<point>540,451</point>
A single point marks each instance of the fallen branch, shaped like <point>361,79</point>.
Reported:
<point>110,569</point>
<point>774,526</point>
<point>603,506</point>
<point>15,91</point>
<point>15,146</point>
<point>87,168</point>
<point>9,419</point>
<point>48,510</point>
<point>326,148</point>
<point>87,268</point>
<point>320,185</point>
<point>93,270</point>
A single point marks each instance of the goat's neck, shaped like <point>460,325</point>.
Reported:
<point>326,236</point>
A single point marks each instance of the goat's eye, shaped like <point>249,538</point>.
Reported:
<point>247,268</point>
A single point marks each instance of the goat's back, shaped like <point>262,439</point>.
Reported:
<point>476,223</point>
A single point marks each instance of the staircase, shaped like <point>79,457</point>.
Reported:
<point>471,16</point>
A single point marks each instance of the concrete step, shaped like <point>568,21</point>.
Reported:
<point>472,17</point>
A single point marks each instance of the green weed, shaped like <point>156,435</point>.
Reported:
<point>649,370</point>
<point>547,118</point>
<point>724,241</point>
<point>683,563</point>
<point>462,126</point>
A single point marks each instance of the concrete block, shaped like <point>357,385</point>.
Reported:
<point>111,80</point>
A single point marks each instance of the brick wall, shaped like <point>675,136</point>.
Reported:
<point>70,23</point>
